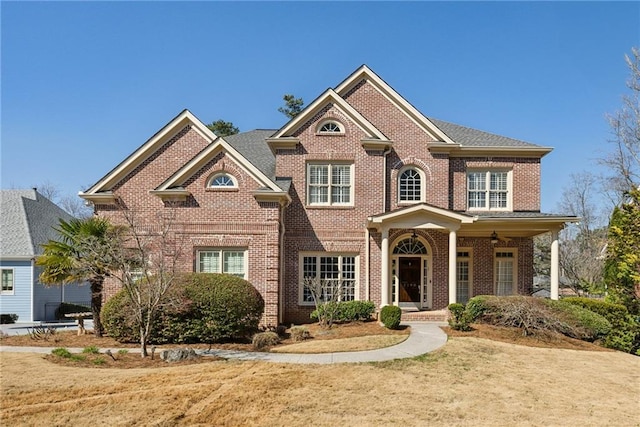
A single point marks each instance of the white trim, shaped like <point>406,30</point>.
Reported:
<point>216,175</point>
<point>469,259</point>
<point>514,260</point>
<point>221,251</point>
<point>330,166</point>
<point>328,121</point>
<point>319,254</point>
<point>487,190</point>
<point>395,276</point>
<point>423,180</point>
<point>13,280</point>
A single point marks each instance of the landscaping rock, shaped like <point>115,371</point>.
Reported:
<point>178,354</point>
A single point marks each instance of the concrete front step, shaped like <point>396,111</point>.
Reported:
<point>425,316</point>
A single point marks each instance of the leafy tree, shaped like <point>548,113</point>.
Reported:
<point>76,257</point>
<point>623,263</point>
<point>292,106</point>
<point>222,128</point>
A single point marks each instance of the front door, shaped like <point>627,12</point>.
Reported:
<point>409,280</point>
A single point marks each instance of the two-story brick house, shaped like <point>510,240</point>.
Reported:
<point>360,188</point>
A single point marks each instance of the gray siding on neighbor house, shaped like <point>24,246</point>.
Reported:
<point>20,302</point>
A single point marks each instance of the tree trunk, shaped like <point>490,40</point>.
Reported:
<point>143,342</point>
<point>96,304</point>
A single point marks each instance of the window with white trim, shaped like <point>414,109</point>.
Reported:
<point>330,184</point>
<point>335,272</point>
<point>410,185</point>
<point>505,271</point>
<point>330,127</point>
<point>464,275</point>
<point>7,279</point>
<point>489,190</point>
<point>223,181</point>
<point>228,261</point>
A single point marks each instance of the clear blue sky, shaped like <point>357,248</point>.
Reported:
<point>84,84</point>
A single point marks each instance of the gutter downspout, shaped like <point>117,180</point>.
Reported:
<point>367,255</point>
<point>281,261</point>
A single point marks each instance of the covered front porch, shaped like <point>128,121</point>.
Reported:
<point>432,257</point>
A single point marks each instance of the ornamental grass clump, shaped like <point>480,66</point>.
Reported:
<point>264,340</point>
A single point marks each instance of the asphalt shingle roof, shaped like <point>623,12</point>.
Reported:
<point>253,146</point>
<point>26,221</point>
<point>478,138</point>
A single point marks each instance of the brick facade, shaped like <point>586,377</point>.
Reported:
<point>274,234</point>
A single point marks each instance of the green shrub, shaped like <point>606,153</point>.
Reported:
<point>204,308</point>
<point>123,351</point>
<point>583,324</point>
<point>99,361</point>
<point>346,311</point>
<point>61,352</point>
<point>8,318</point>
<point>67,308</point>
<point>264,340</point>
<point>390,316</point>
<point>92,349</point>
<point>459,317</point>
<point>300,333</point>
<point>625,329</point>
<point>476,307</point>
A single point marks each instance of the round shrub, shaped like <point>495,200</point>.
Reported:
<point>200,307</point>
<point>476,307</point>
<point>390,316</point>
<point>582,323</point>
<point>459,318</point>
<point>264,340</point>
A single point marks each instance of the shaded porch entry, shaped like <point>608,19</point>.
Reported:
<point>411,276</point>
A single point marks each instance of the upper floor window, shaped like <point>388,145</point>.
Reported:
<point>7,281</point>
<point>410,186</point>
<point>229,261</point>
<point>330,184</point>
<point>330,127</point>
<point>489,190</point>
<point>223,181</point>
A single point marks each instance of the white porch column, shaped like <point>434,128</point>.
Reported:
<point>453,252</point>
<point>384,272</point>
<point>555,263</point>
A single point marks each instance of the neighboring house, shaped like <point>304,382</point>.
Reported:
<point>359,188</point>
<point>26,222</point>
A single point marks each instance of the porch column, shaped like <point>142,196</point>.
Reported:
<point>453,252</point>
<point>384,271</point>
<point>555,262</point>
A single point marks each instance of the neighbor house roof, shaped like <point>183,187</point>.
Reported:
<point>26,221</point>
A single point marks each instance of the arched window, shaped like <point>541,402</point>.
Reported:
<point>410,246</point>
<point>330,127</point>
<point>410,186</point>
<point>222,180</point>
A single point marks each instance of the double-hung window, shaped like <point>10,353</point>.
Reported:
<point>229,261</point>
<point>489,190</point>
<point>332,277</point>
<point>7,281</point>
<point>330,184</point>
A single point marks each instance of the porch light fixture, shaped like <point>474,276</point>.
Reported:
<point>494,238</point>
<point>414,238</point>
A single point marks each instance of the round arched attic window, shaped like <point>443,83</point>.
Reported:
<point>222,181</point>
<point>330,127</point>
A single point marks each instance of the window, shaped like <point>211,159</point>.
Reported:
<point>330,127</point>
<point>229,261</point>
<point>410,186</point>
<point>505,271</point>
<point>337,273</point>
<point>463,276</point>
<point>489,190</point>
<point>223,180</point>
<point>329,184</point>
<point>7,281</point>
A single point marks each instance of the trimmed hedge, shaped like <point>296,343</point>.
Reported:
<point>625,329</point>
<point>204,308</point>
<point>347,311</point>
<point>390,316</point>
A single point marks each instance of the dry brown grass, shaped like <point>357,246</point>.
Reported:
<point>470,381</point>
<point>369,342</point>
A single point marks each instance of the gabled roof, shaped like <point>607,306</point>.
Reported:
<point>466,136</point>
<point>253,147</point>
<point>365,73</point>
<point>26,221</point>
<point>330,96</point>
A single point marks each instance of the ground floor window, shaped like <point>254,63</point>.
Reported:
<point>463,276</point>
<point>7,281</point>
<point>229,261</point>
<point>335,276</point>
<point>505,271</point>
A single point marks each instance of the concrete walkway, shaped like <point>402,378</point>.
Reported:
<point>424,338</point>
